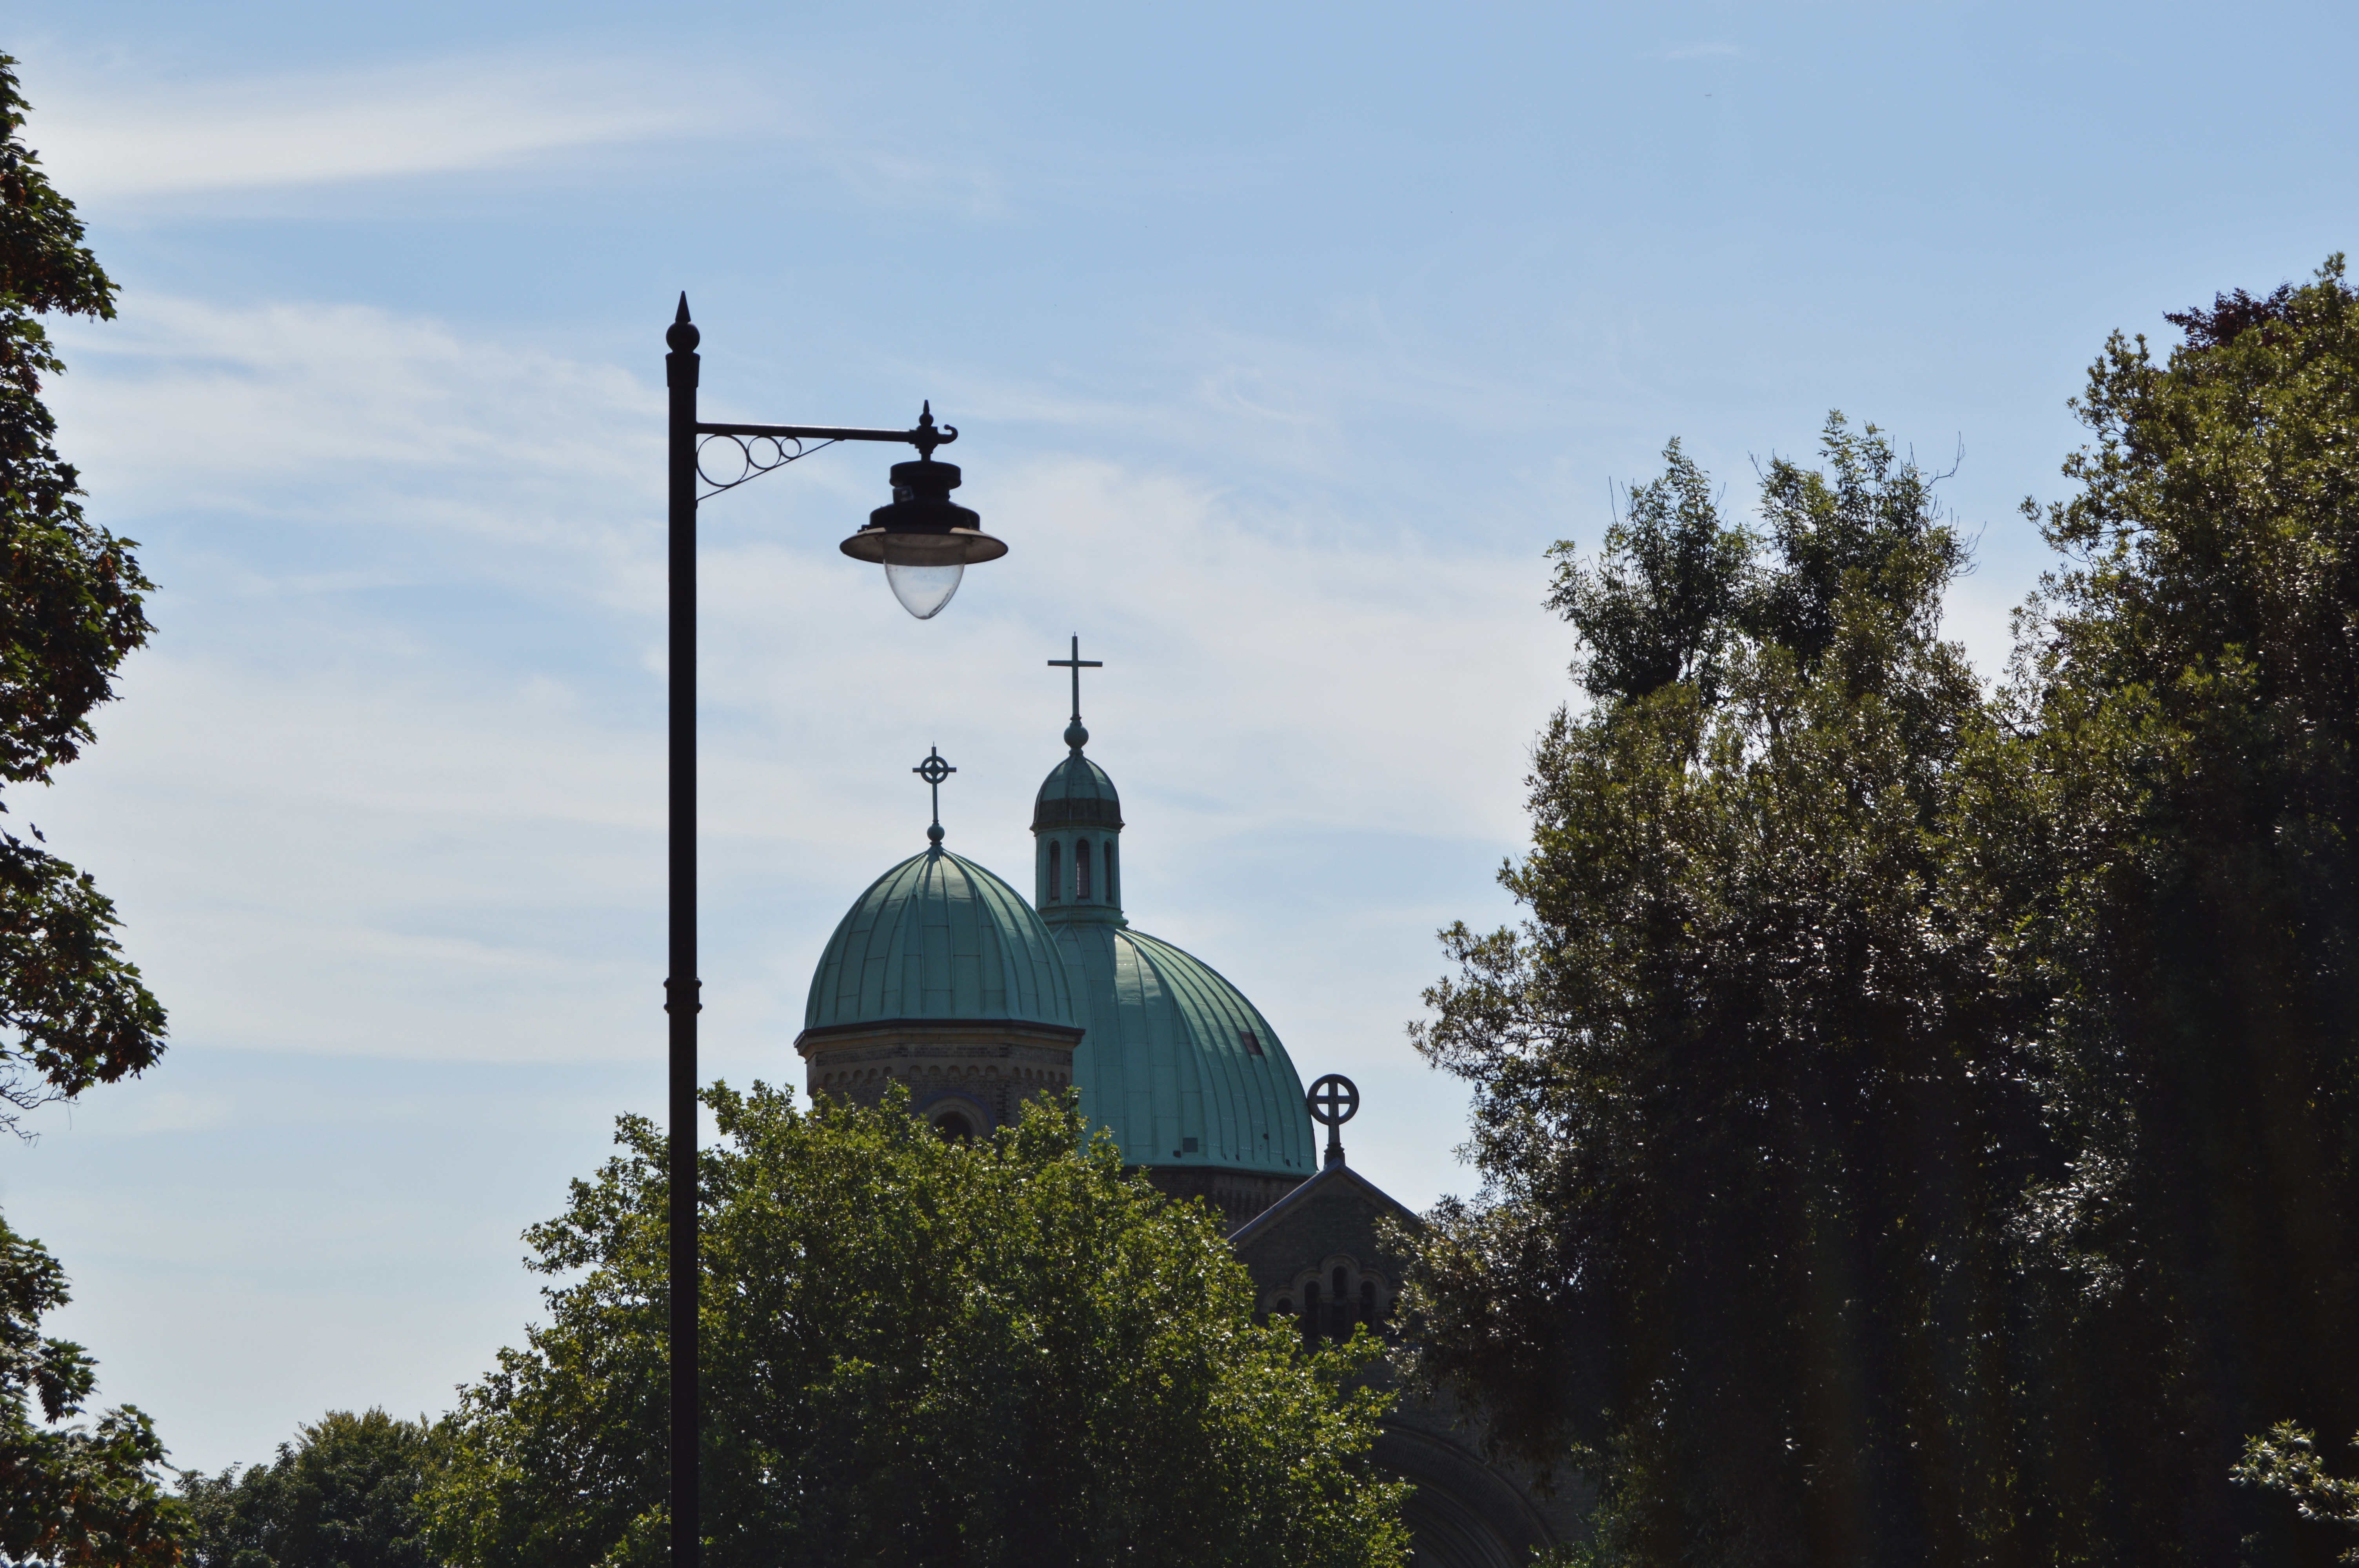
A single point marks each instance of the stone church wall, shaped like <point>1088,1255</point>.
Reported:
<point>1319,1255</point>
<point>964,1077</point>
<point>1237,1196</point>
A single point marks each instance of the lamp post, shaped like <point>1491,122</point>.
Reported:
<point>925,542</point>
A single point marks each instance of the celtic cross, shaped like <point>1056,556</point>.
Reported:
<point>1335,1100</point>
<point>933,769</point>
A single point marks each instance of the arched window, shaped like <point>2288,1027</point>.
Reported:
<point>1368,1302</point>
<point>1081,871</point>
<point>1114,888</point>
<point>1311,1313</point>
<point>1056,872</point>
<point>1339,1316</point>
<point>953,1128</point>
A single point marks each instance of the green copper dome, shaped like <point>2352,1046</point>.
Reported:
<point>939,938</point>
<point>1177,1063</point>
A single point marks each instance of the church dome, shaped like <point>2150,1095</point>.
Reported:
<point>939,938</point>
<point>1177,1063</point>
<point>1185,1073</point>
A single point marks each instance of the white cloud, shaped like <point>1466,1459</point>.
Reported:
<point>389,784</point>
<point>127,135</point>
<point>103,137</point>
<point>342,418</point>
<point>1978,610</point>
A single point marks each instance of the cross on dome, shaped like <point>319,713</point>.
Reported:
<point>1075,736</point>
<point>933,769</point>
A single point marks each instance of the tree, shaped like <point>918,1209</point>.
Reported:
<point>68,1495</point>
<point>916,1352</point>
<point>2189,694</point>
<point>1920,1122</point>
<point>1658,604</point>
<point>74,1011</point>
<point>2285,1459</point>
<point>1739,1077</point>
<point>344,1494</point>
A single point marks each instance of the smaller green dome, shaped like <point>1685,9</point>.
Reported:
<point>1076,791</point>
<point>939,938</point>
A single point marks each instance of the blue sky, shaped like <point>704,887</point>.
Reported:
<point>1283,341</point>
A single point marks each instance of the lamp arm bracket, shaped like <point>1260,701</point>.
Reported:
<point>743,456</point>
<point>927,435</point>
<point>763,448</point>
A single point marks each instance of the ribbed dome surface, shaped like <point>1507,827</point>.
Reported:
<point>1170,1058</point>
<point>1076,791</point>
<point>939,936</point>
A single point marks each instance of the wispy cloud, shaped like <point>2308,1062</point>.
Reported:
<point>346,419</point>
<point>103,137</point>
<point>115,138</point>
<point>400,735</point>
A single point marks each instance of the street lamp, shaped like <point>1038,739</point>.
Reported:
<point>925,542</point>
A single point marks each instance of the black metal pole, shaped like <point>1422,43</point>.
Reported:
<point>681,999</point>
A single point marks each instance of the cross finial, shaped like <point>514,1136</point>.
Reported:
<point>933,769</point>
<point>1335,1100</point>
<point>1075,736</point>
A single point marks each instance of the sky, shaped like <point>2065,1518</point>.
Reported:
<point>1282,341</point>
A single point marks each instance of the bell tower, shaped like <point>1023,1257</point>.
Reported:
<point>1077,829</point>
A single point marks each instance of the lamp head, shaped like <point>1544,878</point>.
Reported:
<point>924,540</point>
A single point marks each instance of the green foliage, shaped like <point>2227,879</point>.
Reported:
<point>69,1494</point>
<point>2188,698</point>
<point>72,1009</point>
<point>916,1352</point>
<point>44,265</point>
<point>345,1494</point>
<point>1919,1121</point>
<point>1739,1077</point>
<point>2285,1459</point>
<point>1657,606</point>
<point>1863,529</point>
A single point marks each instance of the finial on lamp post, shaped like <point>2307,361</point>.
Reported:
<point>926,437</point>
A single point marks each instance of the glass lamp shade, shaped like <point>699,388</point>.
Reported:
<point>923,587</point>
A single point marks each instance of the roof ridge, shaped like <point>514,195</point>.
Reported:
<point>1302,1195</point>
